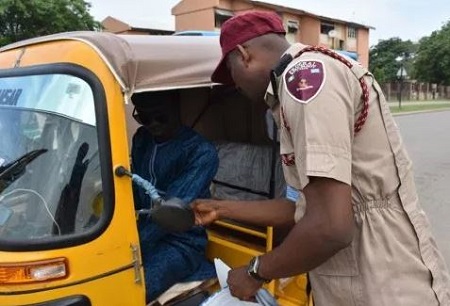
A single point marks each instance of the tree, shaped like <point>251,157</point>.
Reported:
<point>382,58</point>
<point>379,75</point>
<point>432,63</point>
<point>21,19</point>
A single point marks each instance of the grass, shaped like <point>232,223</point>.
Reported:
<point>419,107</point>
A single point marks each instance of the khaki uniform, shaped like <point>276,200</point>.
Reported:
<point>393,259</point>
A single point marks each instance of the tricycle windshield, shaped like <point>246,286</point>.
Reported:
<point>50,180</point>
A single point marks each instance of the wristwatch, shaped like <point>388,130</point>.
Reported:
<point>253,268</point>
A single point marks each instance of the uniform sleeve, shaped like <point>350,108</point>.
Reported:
<point>317,107</point>
<point>197,174</point>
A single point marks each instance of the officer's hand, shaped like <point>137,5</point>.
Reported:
<point>242,285</point>
<point>205,211</point>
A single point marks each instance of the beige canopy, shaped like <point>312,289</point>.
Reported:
<point>150,63</point>
<point>144,62</point>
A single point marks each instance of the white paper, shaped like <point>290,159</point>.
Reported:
<point>222,270</point>
<point>224,298</point>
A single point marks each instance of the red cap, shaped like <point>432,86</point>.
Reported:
<point>240,29</point>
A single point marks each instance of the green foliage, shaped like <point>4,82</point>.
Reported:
<point>382,58</point>
<point>427,61</point>
<point>433,57</point>
<point>379,75</point>
<point>22,19</point>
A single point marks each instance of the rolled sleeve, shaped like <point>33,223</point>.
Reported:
<point>321,161</point>
<point>320,131</point>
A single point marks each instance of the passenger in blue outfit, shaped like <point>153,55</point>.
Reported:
<point>179,163</point>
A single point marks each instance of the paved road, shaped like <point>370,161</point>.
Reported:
<point>427,139</point>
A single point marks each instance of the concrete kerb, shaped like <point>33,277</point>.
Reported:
<point>421,111</point>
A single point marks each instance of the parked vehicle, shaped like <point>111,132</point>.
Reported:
<point>68,231</point>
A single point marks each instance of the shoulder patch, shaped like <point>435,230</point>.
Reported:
<point>304,80</point>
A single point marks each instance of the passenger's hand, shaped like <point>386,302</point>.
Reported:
<point>206,211</point>
<point>242,285</point>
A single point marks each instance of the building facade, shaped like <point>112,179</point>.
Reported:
<point>116,26</point>
<point>301,26</point>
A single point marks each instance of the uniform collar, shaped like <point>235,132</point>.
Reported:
<point>270,97</point>
<point>295,48</point>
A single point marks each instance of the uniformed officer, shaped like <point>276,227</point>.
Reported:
<point>360,232</point>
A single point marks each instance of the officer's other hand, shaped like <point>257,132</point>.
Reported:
<point>205,211</point>
<point>242,285</point>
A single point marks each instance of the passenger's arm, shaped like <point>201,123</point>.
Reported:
<point>137,155</point>
<point>197,174</point>
<point>275,212</point>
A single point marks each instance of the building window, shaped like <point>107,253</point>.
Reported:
<point>351,32</point>
<point>292,31</point>
<point>220,16</point>
<point>292,26</point>
<point>325,28</point>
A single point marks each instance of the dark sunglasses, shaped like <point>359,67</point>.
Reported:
<point>145,118</point>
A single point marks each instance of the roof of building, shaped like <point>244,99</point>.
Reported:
<point>282,8</point>
<point>138,25</point>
